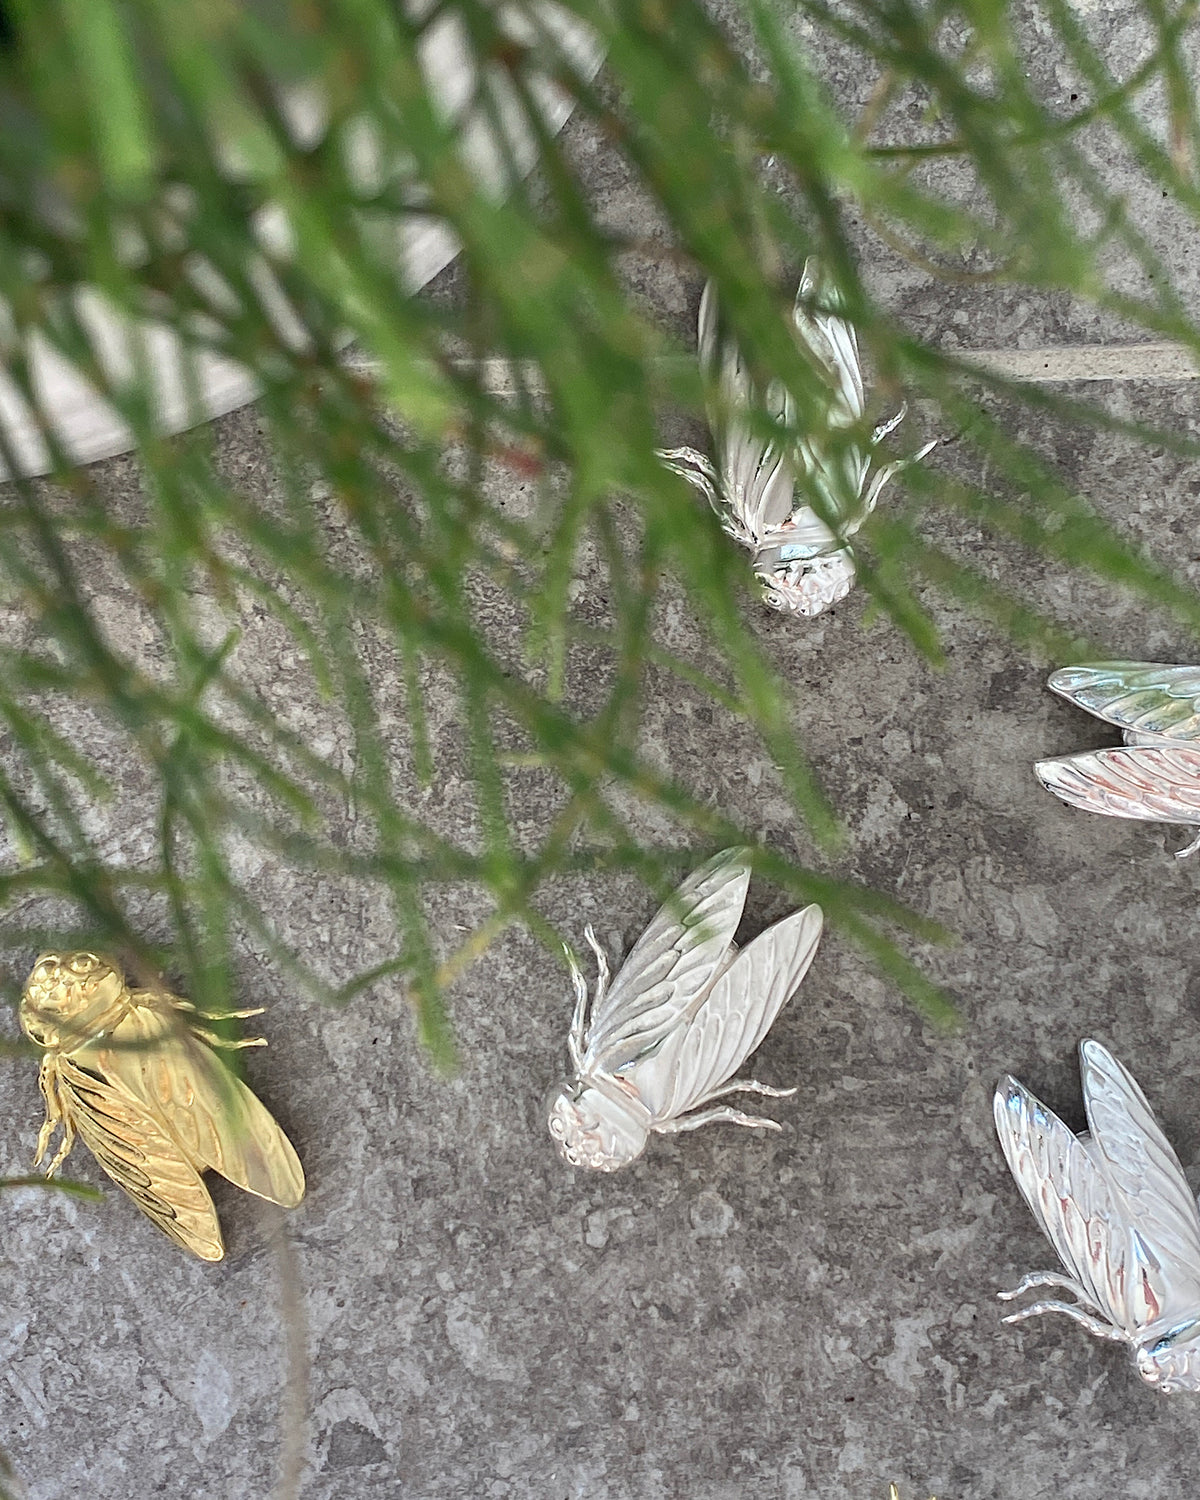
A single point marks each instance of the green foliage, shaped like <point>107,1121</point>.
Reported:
<point>57,1184</point>
<point>118,124</point>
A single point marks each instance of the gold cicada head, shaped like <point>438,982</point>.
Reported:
<point>70,997</point>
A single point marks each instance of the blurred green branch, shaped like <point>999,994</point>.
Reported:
<point>55,1184</point>
<point>143,147</point>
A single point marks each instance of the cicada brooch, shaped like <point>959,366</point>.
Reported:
<point>134,1074</point>
<point>1155,774</point>
<point>802,559</point>
<point>1117,1208</point>
<point>664,1038</point>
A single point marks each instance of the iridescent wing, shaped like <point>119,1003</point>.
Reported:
<point>1148,1182</point>
<point>1156,783</point>
<point>217,1122</point>
<point>1142,698</point>
<point>672,964</point>
<point>834,342</point>
<point>755,480</point>
<point>725,1026</point>
<point>1063,1184</point>
<point>139,1154</point>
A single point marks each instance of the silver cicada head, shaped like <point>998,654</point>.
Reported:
<point>809,586</point>
<point>1172,1366</point>
<point>591,1129</point>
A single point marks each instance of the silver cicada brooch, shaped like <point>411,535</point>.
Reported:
<point>802,559</point>
<point>1117,1208</point>
<point>662,1040</point>
<point>1155,775</point>
<point>133,1074</point>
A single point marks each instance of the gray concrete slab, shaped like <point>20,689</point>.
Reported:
<point>810,1313</point>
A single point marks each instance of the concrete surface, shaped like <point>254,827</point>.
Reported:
<point>968,306</point>
<point>810,1313</point>
<point>807,1314</point>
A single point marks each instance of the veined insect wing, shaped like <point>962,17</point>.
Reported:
<point>670,966</point>
<point>1141,698</point>
<point>732,1021</point>
<point>1155,783</point>
<point>1155,775</point>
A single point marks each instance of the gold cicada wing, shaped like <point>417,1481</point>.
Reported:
<point>137,1150</point>
<point>213,1115</point>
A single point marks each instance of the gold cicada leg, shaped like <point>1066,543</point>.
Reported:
<point>213,1040</point>
<point>54,1118</point>
<point>64,1149</point>
<point>199,1027</point>
<point>253,1010</point>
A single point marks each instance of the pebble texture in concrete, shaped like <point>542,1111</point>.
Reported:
<point>803,1314</point>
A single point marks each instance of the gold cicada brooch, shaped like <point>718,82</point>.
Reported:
<point>134,1075</point>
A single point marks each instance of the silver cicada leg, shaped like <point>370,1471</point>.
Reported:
<point>602,969</point>
<point>575,1040</point>
<point>1094,1325</point>
<point>1191,848</point>
<point>723,1113</point>
<point>749,1086</point>
<point>696,469</point>
<point>1037,1279</point>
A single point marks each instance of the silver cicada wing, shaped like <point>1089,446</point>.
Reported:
<point>670,966</point>
<point>751,486</point>
<point>1145,1175</point>
<point>1148,700</point>
<point>1067,1192</point>
<point>755,477</point>
<point>1117,1208</point>
<point>729,1023</point>
<point>835,344</point>
<point>1158,783</point>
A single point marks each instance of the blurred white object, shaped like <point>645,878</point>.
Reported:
<point>189,389</point>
